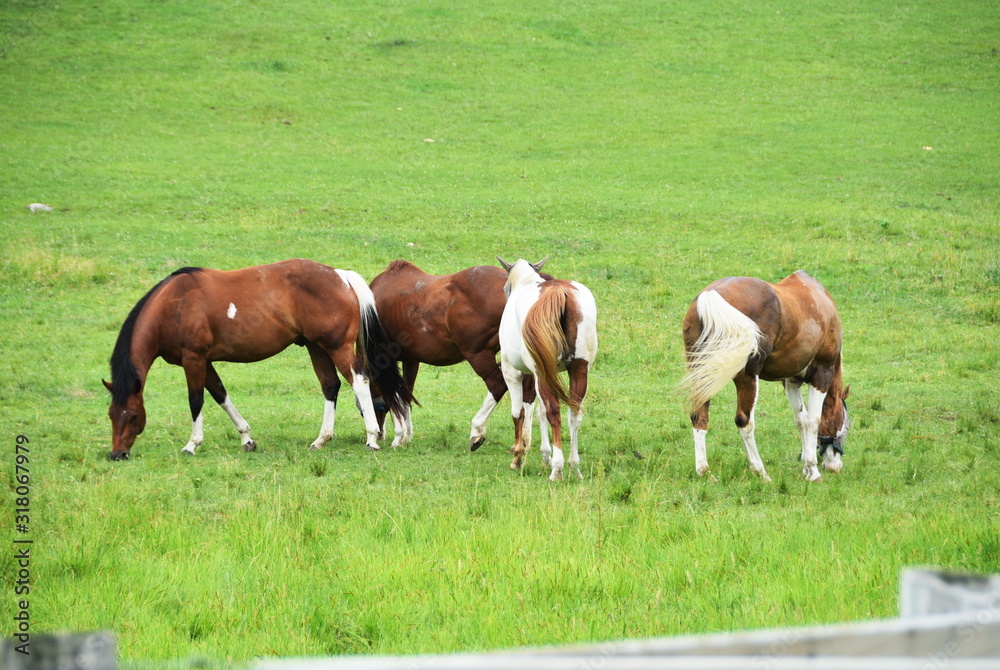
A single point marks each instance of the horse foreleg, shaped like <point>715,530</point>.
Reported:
<point>746,404</point>
<point>195,371</point>
<point>810,436</point>
<point>808,427</point>
<point>513,378</point>
<point>402,426</point>
<point>215,387</point>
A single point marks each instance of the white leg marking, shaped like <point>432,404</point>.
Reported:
<point>700,452</point>
<point>557,464</point>
<point>241,425</point>
<point>398,428</point>
<point>197,436</point>
<point>403,427</point>
<point>408,417</point>
<point>750,443</point>
<point>362,391</point>
<point>326,430</point>
<point>814,410</point>
<point>479,420</point>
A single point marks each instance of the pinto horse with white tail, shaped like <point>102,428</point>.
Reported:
<point>742,329</point>
<point>197,316</point>
<point>547,326</point>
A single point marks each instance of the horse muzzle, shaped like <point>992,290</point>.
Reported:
<point>119,455</point>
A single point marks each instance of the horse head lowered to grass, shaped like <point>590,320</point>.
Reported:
<point>197,316</point>
<point>742,329</point>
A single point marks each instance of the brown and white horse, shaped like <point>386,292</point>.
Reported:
<point>197,316</point>
<point>547,326</point>
<point>742,329</point>
<point>444,320</point>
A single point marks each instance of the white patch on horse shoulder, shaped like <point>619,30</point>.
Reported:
<point>231,312</point>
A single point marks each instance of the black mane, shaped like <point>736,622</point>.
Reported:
<point>123,373</point>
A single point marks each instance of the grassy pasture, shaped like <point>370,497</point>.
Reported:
<point>650,147</point>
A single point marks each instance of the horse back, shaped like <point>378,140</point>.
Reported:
<point>796,317</point>
<point>253,313</point>
<point>437,319</point>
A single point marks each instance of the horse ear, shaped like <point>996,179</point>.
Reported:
<point>107,385</point>
<point>847,390</point>
<point>539,264</point>
<point>506,266</point>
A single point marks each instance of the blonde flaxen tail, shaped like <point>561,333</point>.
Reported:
<point>545,340</point>
<point>728,338</point>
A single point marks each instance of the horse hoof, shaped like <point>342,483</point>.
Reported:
<point>189,452</point>
<point>478,442</point>
<point>250,446</point>
<point>375,447</point>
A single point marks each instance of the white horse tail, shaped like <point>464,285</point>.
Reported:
<point>366,304</point>
<point>373,347</point>
<point>728,339</point>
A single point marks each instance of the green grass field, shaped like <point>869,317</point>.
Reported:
<point>649,147</point>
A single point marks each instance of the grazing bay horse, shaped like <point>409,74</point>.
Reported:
<point>444,320</point>
<point>197,316</point>
<point>742,329</point>
<point>547,326</point>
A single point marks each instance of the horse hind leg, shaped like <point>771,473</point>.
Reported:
<point>215,387</point>
<point>578,391</point>
<point>699,427</point>
<point>343,358</point>
<point>478,433</point>
<point>485,365</point>
<point>550,405</point>
<point>512,376</point>
<point>403,424</point>
<point>326,373</point>
<point>746,404</point>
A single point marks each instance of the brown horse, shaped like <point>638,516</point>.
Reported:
<point>744,329</point>
<point>547,325</point>
<point>444,320</point>
<point>197,316</point>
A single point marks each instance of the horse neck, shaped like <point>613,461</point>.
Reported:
<point>837,387</point>
<point>146,345</point>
